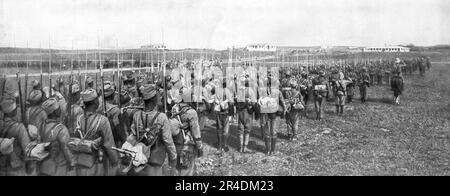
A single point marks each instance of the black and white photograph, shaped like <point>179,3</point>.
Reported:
<point>263,88</point>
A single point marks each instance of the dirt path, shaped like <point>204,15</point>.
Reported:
<point>377,138</point>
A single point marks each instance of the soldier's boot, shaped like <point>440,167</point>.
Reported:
<point>219,143</point>
<point>268,145</point>
<point>273,146</point>
<point>337,109</point>
<point>246,140</point>
<point>342,109</point>
<point>241,143</point>
<point>225,143</point>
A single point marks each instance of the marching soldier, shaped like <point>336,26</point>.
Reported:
<point>294,105</point>
<point>244,110</point>
<point>305,88</point>
<point>113,113</point>
<point>341,94</point>
<point>188,143</point>
<point>76,109</point>
<point>364,83</point>
<point>150,121</point>
<point>13,164</point>
<point>224,112</point>
<point>320,86</point>
<point>95,129</point>
<point>60,161</point>
<point>397,86</point>
<point>269,118</point>
<point>35,115</point>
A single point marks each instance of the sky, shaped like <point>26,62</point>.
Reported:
<point>221,24</point>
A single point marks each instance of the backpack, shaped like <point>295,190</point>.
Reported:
<point>268,104</point>
<point>340,90</point>
<point>147,135</point>
<point>82,145</point>
<point>397,83</point>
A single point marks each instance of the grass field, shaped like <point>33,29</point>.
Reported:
<point>376,138</point>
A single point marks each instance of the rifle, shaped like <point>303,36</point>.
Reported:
<point>26,84</point>
<point>22,105</point>
<point>103,83</point>
<point>119,82</point>
<point>69,106</point>
<point>50,73</point>
<point>126,152</point>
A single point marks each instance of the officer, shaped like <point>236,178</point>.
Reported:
<point>60,162</point>
<point>320,86</point>
<point>364,83</point>
<point>95,128</point>
<point>224,111</point>
<point>245,101</point>
<point>35,115</point>
<point>151,120</point>
<point>188,142</point>
<point>14,164</point>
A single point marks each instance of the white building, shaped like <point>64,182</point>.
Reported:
<point>154,47</point>
<point>386,49</point>
<point>261,48</point>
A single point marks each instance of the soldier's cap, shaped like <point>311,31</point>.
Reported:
<point>128,77</point>
<point>148,91</point>
<point>35,96</point>
<point>50,105</point>
<point>109,88</point>
<point>397,60</point>
<point>364,68</point>
<point>321,73</point>
<point>303,73</point>
<point>8,105</point>
<point>35,84</point>
<point>288,73</point>
<point>88,95</point>
<point>75,88</point>
<point>89,80</point>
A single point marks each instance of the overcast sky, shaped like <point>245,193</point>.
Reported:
<point>222,23</point>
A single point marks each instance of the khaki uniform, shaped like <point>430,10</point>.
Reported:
<point>269,120</point>
<point>164,143</point>
<point>14,164</point>
<point>223,117</point>
<point>35,115</point>
<point>189,115</point>
<point>99,128</point>
<point>60,158</point>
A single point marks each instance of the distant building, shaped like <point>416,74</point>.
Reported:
<point>261,48</point>
<point>154,47</point>
<point>386,49</point>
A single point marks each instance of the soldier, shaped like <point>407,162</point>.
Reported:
<point>224,112</point>
<point>13,164</point>
<point>341,94</point>
<point>320,86</point>
<point>397,86</point>
<point>150,121</point>
<point>305,88</point>
<point>364,83</point>
<point>294,105</point>
<point>60,162</point>
<point>95,129</point>
<point>350,87</point>
<point>113,114</point>
<point>35,115</point>
<point>188,142</point>
<point>268,118</point>
<point>76,109</point>
<point>244,110</point>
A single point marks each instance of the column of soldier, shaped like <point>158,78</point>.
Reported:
<point>152,120</point>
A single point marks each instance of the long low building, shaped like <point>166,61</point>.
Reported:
<point>386,49</point>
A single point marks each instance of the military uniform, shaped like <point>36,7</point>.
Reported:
<point>35,115</point>
<point>319,96</point>
<point>244,102</point>
<point>94,127</point>
<point>341,93</point>
<point>60,159</point>
<point>164,142</point>
<point>269,120</point>
<point>224,112</point>
<point>13,164</point>
<point>364,83</point>
<point>292,96</point>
